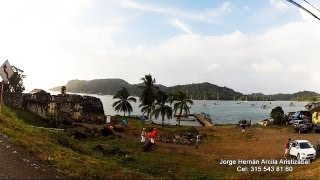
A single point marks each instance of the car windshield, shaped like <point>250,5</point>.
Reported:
<point>305,145</point>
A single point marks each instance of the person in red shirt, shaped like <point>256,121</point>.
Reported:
<point>155,134</point>
<point>286,148</point>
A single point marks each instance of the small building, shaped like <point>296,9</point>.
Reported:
<point>38,94</point>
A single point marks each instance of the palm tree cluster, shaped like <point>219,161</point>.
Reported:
<point>153,101</point>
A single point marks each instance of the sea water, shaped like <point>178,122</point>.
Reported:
<point>223,112</point>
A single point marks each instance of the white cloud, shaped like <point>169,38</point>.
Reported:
<point>298,68</point>
<point>47,38</point>
<point>180,25</point>
<point>269,62</point>
<point>208,16</point>
<point>279,4</point>
<point>213,67</point>
<point>226,7</point>
<point>266,65</point>
<point>53,46</point>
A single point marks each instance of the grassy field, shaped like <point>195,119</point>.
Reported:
<point>120,156</point>
<point>105,157</point>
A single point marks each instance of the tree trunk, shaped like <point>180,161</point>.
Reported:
<point>150,114</point>
<point>124,114</point>
<point>162,120</point>
<point>180,115</point>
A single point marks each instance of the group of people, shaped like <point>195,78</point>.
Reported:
<point>148,138</point>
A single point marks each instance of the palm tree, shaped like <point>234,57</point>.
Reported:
<point>161,106</point>
<point>124,103</point>
<point>181,102</point>
<point>148,95</point>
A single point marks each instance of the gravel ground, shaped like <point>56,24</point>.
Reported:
<point>16,163</point>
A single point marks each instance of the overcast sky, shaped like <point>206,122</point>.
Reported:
<point>266,46</point>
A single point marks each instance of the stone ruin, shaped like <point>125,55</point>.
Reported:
<point>188,137</point>
<point>65,109</point>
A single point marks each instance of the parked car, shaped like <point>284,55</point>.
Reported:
<point>317,128</point>
<point>301,115</point>
<point>301,128</point>
<point>298,122</point>
<point>302,149</point>
<point>309,126</point>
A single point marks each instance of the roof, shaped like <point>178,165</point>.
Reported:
<point>37,91</point>
<point>316,109</point>
<point>312,105</point>
<point>302,141</point>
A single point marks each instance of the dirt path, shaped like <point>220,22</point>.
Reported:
<point>16,163</point>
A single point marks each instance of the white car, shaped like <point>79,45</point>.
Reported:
<point>297,122</point>
<point>302,149</point>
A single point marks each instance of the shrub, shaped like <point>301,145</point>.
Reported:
<point>277,114</point>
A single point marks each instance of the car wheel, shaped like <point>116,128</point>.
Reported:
<point>298,156</point>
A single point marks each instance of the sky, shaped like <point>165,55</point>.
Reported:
<point>267,46</point>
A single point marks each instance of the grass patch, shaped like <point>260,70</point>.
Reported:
<point>104,157</point>
<point>30,118</point>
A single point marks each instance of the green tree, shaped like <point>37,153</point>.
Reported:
<point>148,95</point>
<point>277,114</point>
<point>181,103</point>
<point>124,103</point>
<point>16,81</point>
<point>161,107</point>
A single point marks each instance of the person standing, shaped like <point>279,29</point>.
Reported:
<point>143,135</point>
<point>155,134</point>
<point>286,148</point>
<point>197,140</point>
<point>243,129</point>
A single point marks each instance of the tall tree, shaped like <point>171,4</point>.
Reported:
<point>181,103</point>
<point>124,103</point>
<point>16,81</point>
<point>161,107</point>
<point>148,95</point>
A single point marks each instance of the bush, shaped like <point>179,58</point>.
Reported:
<point>277,114</point>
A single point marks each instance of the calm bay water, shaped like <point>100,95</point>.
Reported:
<point>224,113</point>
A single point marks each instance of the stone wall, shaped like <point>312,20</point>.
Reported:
<point>38,107</point>
<point>89,104</point>
<point>65,107</point>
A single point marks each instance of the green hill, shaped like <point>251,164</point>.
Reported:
<point>198,91</point>
<point>97,86</point>
<point>111,86</point>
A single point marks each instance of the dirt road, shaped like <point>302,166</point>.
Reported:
<point>15,163</point>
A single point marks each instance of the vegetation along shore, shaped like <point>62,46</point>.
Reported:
<point>82,147</point>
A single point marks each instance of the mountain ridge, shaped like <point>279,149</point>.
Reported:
<point>196,91</point>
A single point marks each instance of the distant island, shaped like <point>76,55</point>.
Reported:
<point>196,91</point>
